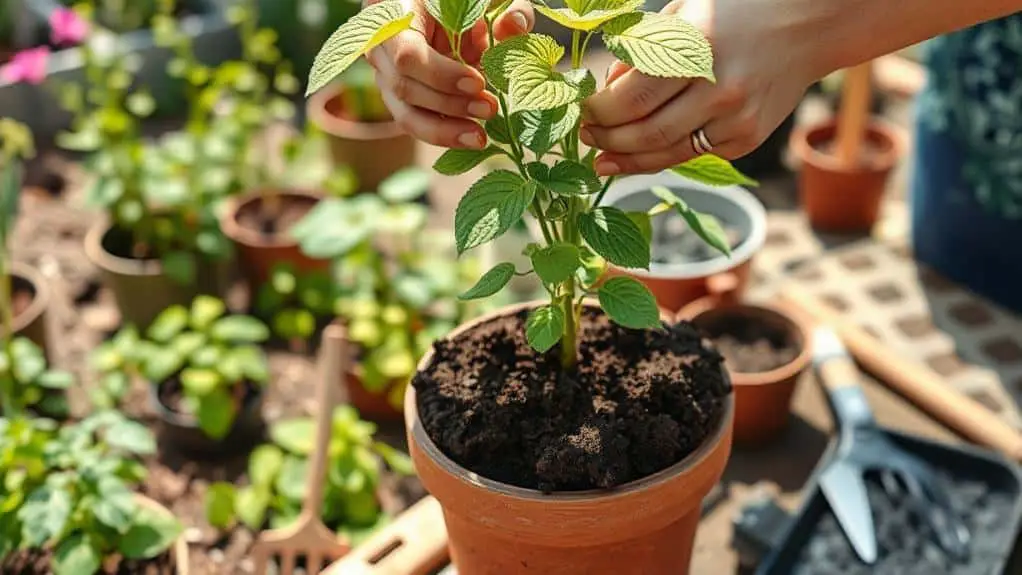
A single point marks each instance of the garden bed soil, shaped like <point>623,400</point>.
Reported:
<point>290,211</point>
<point>40,563</point>
<point>751,347</point>
<point>906,543</point>
<point>640,401</point>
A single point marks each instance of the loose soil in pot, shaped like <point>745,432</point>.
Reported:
<point>290,210</point>
<point>641,401</point>
<point>675,243</point>
<point>751,347</point>
<point>906,544</point>
<point>22,296</point>
<point>41,563</point>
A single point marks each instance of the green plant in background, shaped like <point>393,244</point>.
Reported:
<point>277,478</point>
<point>27,383</point>
<point>363,101</point>
<point>537,127</point>
<point>214,357</point>
<point>121,15</point>
<point>6,27</point>
<point>295,303</point>
<point>70,490</point>
<point>398,284</point>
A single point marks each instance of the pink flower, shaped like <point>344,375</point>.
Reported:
<point>67,28</point>
<point>27,66</point>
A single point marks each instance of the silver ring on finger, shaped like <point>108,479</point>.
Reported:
<point>700,143</point>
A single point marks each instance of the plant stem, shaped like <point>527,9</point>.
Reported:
<point>569,353</point>
<point>603,191</point>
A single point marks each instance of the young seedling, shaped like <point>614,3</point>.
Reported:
<point>537,127</point>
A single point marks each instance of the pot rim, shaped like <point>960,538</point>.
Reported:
<point>316,110</point>
<point>876,128</point>
<point>796,322</point>
<point>240,234</point>
<point>98,255</point>
<point>736,195</point>
<point>190,421</point>
<point>178,551</point>
<point>463,475</point>
<point>40,299</point>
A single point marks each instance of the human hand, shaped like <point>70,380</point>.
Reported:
<point>429,92</point>
<point>762,66</point>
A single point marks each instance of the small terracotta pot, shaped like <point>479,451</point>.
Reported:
<point>31,322</point>
<point>140,287</point>
<point>645,527</point>
<point>179,553</point>
<point>842,199</point>
<point>373,150</point>
<point>258,252</point>
<point>374,406</point>
<point>762,400</point>
<point>675,285</point>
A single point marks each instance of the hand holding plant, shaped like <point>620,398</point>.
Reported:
<point>554,181</point>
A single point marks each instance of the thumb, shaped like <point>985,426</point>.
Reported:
<point>518,19</point>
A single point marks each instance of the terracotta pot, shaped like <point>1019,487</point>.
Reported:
<point>181,432</point>
<point>644,527</point>
<point>842,199</point>
<point>31,322</point>
<point>258,252</point>
<point>140,287</point>
<point>179,553</point>
<point>374,406</point>
<point>675,285</point>
<point>762,400</point>
<point>373,150</point>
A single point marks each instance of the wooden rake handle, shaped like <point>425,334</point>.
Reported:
<point>854,114</point>
<point>331,364</point>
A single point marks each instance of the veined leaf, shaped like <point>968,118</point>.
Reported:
<point>629,303</point>
<point>570,178</point>
<point>714,171</point>
<point>589,15</point>
<point>544,327</point>
<point>362,32</point>
<point>643,221</point>
<point>459,160</point>
<point>541,130</point>
<point>536,86</point>
<point>613,235</point>
<point>492,282</point>
<point>500,61</point>
<point>490,207</point>
<point>457,16</point>
<point>705,226</point>
<point>661,45</point>
<point>556,263</point>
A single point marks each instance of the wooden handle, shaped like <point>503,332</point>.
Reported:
<point>331,364</point>
<point>838,373</point>
<point>415,544</point>
<point>854,114</point>
<point>920,385</point>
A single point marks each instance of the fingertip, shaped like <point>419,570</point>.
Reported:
<point>607,165</point>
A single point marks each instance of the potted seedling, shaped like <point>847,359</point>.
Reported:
<point>277,479</point>
<point>206,373</point>
<point>362,132</point>
<point>296,305</point>
<point>398,287</point>
<point>68,505</point>
<point>554,433</point>
<point>683,267</point>
<point>24,296</point>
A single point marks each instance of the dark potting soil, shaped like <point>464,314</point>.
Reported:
<point>675,243</point>
<point>290,211</point>
<point>906,543</point>
<point>752,347</point>
<point>21,300</point>
<point>640,401</point>
<point>41,563</point>
<point>121,243</point>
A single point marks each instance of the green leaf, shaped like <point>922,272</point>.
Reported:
<point>492,282</point>
<point>589,15</point>
<point>76,556</point>
<point>644,222</point>
<point>714,171</point>
<point>629,303</point>
<point>612,234</point>
<point>205,310</point>
<point>536,86</point>
<point>397,461</point>
<point>55,380</point>
<point>570,178</point>
<point>457,16</point>
<point>151,534</point>
<point>660,45</point>
<point>556,263</point>
<point>291,480</point>
<point>130,436</point>
<point>405,185</point>
<point>180,267</point>
<point>705,226</point>
<point>541,130</point>
<point>220,505</point>
<point>188,343</point>
<point>294,435</point>
<point>200,382</point>
<point>362,32</point>
<point>161,364</point>
<point>544,327</point>
<point>240,329</point>
<point>490,207</point>
<point>44,515</point>
<point>593,268</point>
<point>460,160</point>
<point>29,361</point>
<point>335,226</point>
<point>496,130</point>
<point>215,413</point>
<point>264,464</point>
<point>499,62</point>
<point>168,324</point>
<point>116,504</point>
<point>294,324</point>
<point>251,504</point>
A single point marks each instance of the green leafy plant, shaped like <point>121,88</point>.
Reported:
<point>294,303</point>
<point>537,127</point>
<point>68,492</point>
<point>361,96</point>
<point>214,357</point>
<point>277,478</point>
<point>27,383</point>
<point>121,15</point>
<point>398,283</point>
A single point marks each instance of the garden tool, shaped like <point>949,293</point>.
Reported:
<point>308,537</point>
<point>854,114</point>
<point>863,446</point>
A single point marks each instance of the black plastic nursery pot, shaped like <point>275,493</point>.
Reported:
<point>988,488</point>
<point>180,432</point>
